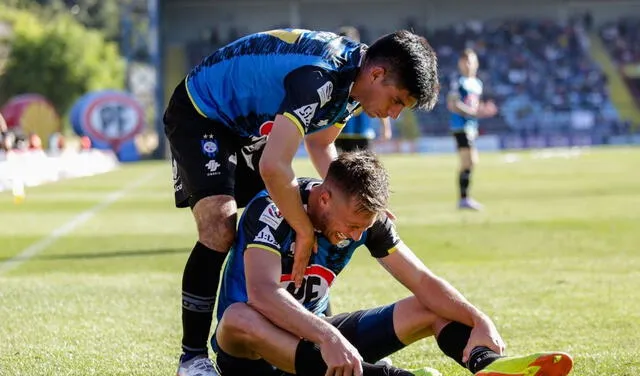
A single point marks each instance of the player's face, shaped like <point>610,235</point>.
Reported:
<point>339,219</point>
<point>468,65</point>
<point>381,98</point>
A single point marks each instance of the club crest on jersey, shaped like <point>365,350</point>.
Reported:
<point>265,236</point>
<point>305,113</point>
<point>209,146</point>
<point>343,243</point>
<point>271,216</point>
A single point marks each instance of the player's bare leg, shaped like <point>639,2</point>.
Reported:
<point>468,159</point>
<point>215,218</point>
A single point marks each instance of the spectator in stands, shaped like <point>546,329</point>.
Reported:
<point>3,125</point>
<point>85,143</point>
<point>35,142</point>
<point>8,141</point>
<point>538,71</point>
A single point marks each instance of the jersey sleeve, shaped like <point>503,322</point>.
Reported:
<point>263,226</point>
<point>382,238</point>
<point>307,89</point>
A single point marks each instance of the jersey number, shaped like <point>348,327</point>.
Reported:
<point>307,291</point>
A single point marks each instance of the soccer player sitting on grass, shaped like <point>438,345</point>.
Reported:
<point>267,326</point>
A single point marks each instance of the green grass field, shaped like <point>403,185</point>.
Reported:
<point>555,260</point>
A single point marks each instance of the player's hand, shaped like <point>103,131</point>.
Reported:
<point>305,243</point>
<point>487,109</point>
<point>341,357</point>
<point>484,333</point>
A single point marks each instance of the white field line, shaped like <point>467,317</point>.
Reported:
<point>65,229</point>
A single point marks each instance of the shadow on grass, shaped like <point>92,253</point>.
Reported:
<point>99,255</point>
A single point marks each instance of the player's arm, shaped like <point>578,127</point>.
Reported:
<point>456,105</point>
<point>441,298</point>
<point>263,270</point>
<point>432,291</point>
<point>303,87</point>
<point>321,149</point>
<point>477,110</point>
<point>279,178</point>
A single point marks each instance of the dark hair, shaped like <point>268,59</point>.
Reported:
<point>360,175</point>
<point>411,63</point>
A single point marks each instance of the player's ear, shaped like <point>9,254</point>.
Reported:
<point>325,198</point>
<point>377,73</point>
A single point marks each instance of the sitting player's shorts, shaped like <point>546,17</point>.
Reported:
<point>352,144</point>
<point>207,158</point>
<point>464,138</point>
<point>370,331</point>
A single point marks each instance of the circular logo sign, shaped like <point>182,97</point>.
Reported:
<point>112,117</point>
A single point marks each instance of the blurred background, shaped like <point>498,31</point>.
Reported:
<point>97,74</point>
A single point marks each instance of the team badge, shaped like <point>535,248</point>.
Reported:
<point>343,243</point>
<point>209,145</point>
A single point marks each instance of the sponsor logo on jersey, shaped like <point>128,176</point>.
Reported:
<point>324,92</point>
<point>315,285</point>
<point>271,216</point>
<point>212,166</point>
<point>177,184</point>
<point>265,236</point>
<point>305,113</point>
<point>265,128</point>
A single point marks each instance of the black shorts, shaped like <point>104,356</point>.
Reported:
<point>464,139</point>
<point>207,157</point>
<point>370,331</point>
<point>352,144</point>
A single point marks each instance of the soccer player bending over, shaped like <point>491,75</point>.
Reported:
<point>267,326</point>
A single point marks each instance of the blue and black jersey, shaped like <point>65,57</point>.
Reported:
<point>262,226</point>
<point>469,90</point>
<point>304,75</point>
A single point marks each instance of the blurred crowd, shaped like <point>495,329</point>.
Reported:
<point>539,72</point>
<point>622,39</point>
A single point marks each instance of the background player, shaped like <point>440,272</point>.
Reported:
<point>359,131</point>
<point>466,108</point>
<point>263,316</point>
<point>237,120</point>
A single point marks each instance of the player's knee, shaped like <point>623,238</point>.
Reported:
<point>216,221</point>
<point>241,321</point>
